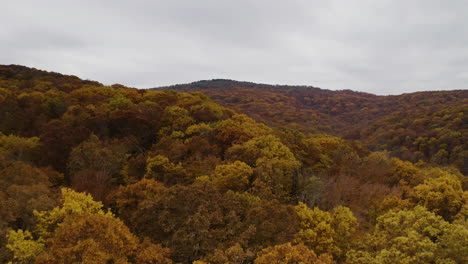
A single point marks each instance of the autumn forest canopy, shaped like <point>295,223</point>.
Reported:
<point>229,172</point>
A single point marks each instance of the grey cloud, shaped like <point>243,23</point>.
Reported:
<point>383,47</point>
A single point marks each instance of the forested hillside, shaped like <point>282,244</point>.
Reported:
<point>109,174</point>
<point>429,126</point>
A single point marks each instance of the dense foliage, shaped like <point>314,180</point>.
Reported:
<point>109,174</point>
<point>431,126</point>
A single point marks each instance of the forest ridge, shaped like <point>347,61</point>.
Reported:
<point>228,172</point>
<point>428,126</point>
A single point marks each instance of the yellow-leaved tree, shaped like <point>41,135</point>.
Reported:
<point>274,164</point>
<point>81,231</point>
<point>233,176</point>
<point>414,236</point>
<point>442,195</point>
<point>325,232</point>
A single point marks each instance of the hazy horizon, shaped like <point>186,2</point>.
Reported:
<point>384,48</point>
<point>240,81</point>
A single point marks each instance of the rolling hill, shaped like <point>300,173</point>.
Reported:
<point>432,126</point>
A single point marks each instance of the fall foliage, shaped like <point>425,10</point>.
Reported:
<point>109,174</point>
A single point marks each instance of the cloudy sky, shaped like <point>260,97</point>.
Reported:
<point>377,46</point>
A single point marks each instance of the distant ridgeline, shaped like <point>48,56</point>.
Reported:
<point>110,174</point>
<point>429,126</point>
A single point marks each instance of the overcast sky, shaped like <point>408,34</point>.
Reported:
<point>377,46</point>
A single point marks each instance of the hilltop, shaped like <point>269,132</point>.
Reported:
<point>432,126</point>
